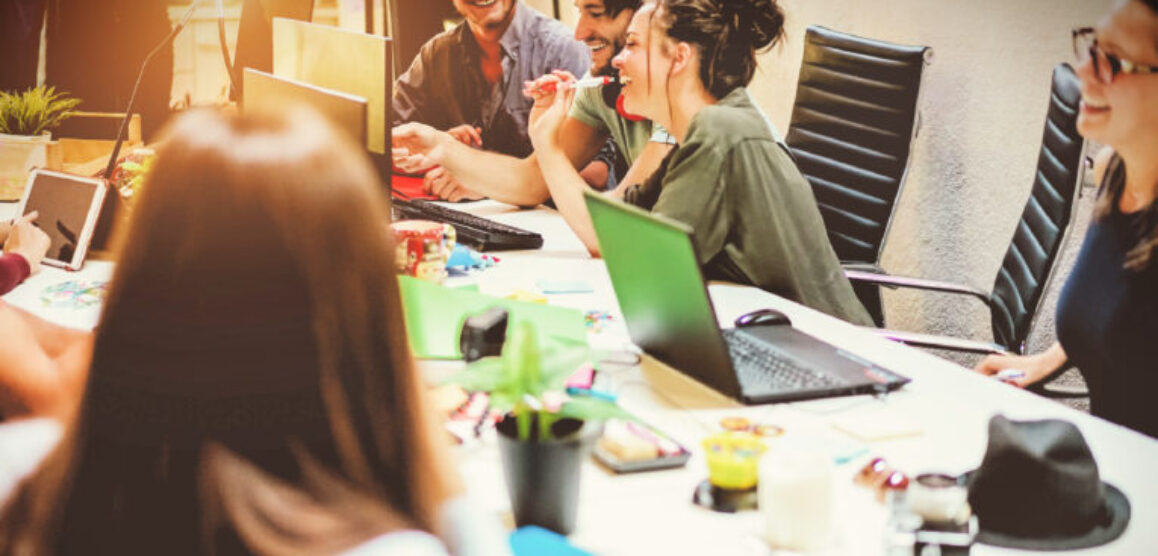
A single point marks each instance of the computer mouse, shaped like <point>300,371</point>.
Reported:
<point>763,317</point>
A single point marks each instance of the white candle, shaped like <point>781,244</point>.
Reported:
<point>795,496</point>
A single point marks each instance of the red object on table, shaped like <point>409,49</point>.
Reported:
<point>409,187</point>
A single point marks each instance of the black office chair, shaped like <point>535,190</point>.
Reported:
<point>1029,263</point>
<point>853,124</point>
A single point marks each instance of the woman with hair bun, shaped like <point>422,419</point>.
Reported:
<point>686,64</point>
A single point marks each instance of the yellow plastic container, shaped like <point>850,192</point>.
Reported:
<point>732,459</point>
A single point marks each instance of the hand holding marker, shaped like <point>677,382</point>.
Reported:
<point>531,89</point>
<point>1010,376</point>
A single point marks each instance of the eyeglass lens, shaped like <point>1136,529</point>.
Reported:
<point>1086,47</point>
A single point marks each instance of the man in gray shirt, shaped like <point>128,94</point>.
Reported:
<point>469,80</point>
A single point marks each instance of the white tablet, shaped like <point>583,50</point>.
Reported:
<point>68,206</point>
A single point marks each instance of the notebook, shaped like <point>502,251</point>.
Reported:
<point>665,304</point>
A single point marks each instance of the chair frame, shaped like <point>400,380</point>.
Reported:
<point>983,347</point>
<point>874,265</point>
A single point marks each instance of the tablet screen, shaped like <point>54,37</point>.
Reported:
<point>65,204</point>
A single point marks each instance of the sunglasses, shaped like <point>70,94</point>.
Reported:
<point>1106,65</point>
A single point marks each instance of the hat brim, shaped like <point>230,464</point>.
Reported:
<point>1117,506</point>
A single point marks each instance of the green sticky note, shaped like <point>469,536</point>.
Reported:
<point>434,316</point>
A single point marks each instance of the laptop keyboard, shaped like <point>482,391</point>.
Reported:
<point>758,365</point>
<point>478,232</point>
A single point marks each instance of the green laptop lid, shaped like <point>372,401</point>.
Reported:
<point>661,292</point>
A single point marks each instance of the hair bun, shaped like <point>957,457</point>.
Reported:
<point>761,22</point>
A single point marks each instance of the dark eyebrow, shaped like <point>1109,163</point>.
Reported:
<point>1114,48</point>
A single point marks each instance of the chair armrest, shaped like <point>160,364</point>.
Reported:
<point>862,267</point>
<point>1045,388</point>
<point>917,283</point>
<point>941,342</point>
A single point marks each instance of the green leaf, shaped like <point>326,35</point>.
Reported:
<point>594,409</point>
<point>521,354</point>
<point>525,371</point>
<point>484,375</point>
<point>34,111</point>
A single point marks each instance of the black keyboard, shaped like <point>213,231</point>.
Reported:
<point>477,232</point>
<point>758,364</point>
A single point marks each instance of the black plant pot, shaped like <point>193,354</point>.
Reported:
<point>543,476</point>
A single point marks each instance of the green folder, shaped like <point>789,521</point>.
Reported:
<point>434,316</point>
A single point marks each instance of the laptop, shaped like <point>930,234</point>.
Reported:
<point>665,304</point>
<point>271,92</point>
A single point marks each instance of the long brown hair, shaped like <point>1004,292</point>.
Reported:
<point>254,308</point>
<point>1113,185</point>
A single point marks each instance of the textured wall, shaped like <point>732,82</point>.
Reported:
<point>983,106</point>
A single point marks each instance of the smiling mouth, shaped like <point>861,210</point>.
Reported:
<point>597,46</point>
<point>1089,105</point>
<point>483,3</point>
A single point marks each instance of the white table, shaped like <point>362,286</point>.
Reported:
<point>651,513</point>
<point>29,295</point>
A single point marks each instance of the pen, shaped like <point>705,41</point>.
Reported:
<point>1010,374</point>
<point>585,83</point>
<point>605,396</point>
<point>589,82</point>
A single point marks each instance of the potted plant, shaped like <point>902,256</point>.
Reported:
<point>545,435</point>
<point>25,137</point>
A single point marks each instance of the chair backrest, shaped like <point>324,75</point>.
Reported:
<point>853,124</point>
<point>1040,233</point>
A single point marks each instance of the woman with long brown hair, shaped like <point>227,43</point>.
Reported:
<point>250,387</point>
<point>1107,315</point>
<point>686,66</point>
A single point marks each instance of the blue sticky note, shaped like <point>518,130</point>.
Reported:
<point>564,286</point>
<point>537,541</point>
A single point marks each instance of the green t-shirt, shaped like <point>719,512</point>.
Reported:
<point>754,216</point>
<point>631,137</point>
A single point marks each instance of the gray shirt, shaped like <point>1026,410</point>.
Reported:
<point>444,86</point>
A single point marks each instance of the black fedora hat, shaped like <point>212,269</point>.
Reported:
<point>1038,488</point>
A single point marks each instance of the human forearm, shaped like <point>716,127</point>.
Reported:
<point>1033,367</point>
<point>566,187</point>
<point>54,339</point>
<point>501,177</point>
<point>648,162</point>
<point>42,366</point>
<point>1054,358</point>
<point>419,147</point>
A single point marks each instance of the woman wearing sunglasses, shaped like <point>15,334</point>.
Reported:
<point>1107,317</point>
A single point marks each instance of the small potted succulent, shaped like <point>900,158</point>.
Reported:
<point>545,435</point>
<point>26,121</point>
